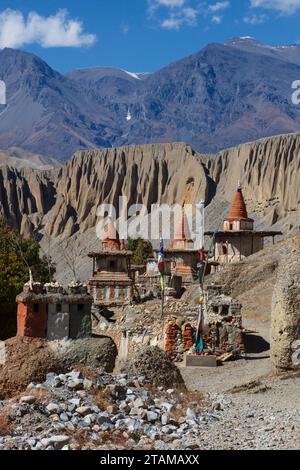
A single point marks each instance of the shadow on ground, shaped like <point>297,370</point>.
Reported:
<point>255,344</point>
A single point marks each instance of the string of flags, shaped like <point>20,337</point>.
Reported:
<point>161,265</point>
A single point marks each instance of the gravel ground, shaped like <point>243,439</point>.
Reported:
<point>258,410</point>
<point>241,405</point>
<point>264,416</point>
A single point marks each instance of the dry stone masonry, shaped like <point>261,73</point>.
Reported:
<point>224,331</point>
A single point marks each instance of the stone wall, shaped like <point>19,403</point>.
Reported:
<point>224,320</point>
<point>142,325</point>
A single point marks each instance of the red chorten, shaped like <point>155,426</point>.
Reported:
<point>238,209</point>
<point>111,283</point>
<point>238,239</point>
<point>238,218</point>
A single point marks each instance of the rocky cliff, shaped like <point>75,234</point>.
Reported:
<point>145,174</point>
<point>268,170</point>
<point>63,202</point>
<point>25,197</point>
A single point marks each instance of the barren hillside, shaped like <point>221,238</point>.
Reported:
<point>63,202</point>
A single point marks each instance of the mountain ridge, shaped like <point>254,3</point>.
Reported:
<point>218,97</point>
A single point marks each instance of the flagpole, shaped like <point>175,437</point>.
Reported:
<point>199,345</point>
<point>161,269</point>
<point>162,303</point>
<point>162,314</point>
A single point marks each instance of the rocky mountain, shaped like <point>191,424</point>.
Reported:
<point>224,95</point>
<point>61,204</point>
<point>19,158</point>
<point>47,113</point>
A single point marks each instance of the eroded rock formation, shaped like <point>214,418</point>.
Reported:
<point>285,317</point>
<point>66,199</point>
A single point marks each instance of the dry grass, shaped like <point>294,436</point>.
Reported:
<point>87,372</point>
<point>102,398</point>
<point>5,425</point>
<point>193,400</point>
<point>186,399</point>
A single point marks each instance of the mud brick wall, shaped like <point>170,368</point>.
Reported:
<point>54,315</point>
<point>178,339</point>
<point>32,320</point>
<point>224,338</point>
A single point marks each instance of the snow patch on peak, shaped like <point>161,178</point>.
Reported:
<point>133,75</point>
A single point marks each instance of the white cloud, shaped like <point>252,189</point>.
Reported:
<point>219,6</point>
<point>217,19</point>
<point>171,23</point>
<point>171,3</point>
<point>154,5</point>
<point>183,17</point>
<point>283,6</point>
<point>53,31</point>
<point>255,19</point>
<point>174,14</point>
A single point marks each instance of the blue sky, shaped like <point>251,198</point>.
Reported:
<point>139,35</point>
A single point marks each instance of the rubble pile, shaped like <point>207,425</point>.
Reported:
<point>87,410</point>
<point>30,359</point>
<point>153,363</point>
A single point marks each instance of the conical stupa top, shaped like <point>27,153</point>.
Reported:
<point>180,232</point>
<point>238,209</point>
<point>181,237</point>
<point>110,236</point>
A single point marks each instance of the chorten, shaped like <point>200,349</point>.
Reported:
<point>238,239</point>
<point>181,240</point>
<point>238,217</point>
<point>111,284</point>
<point>182,255</point>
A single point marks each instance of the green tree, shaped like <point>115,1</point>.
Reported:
<point>17,257</point>
<point>142,250</point>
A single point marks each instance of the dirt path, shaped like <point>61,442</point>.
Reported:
<point>256,365</point>
<point>255,408</point>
